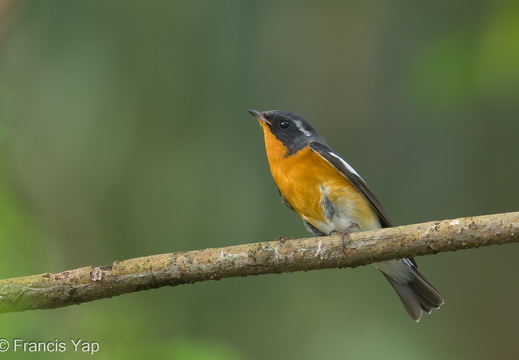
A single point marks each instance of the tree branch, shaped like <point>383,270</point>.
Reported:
<point>47,291</point>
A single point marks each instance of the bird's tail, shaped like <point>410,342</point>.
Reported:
<point>413,289</point>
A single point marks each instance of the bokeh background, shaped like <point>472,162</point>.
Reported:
<point>123,133</point>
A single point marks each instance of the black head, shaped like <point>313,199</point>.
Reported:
<point>289,128</point>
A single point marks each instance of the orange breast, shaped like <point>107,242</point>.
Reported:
<point>303,177</point>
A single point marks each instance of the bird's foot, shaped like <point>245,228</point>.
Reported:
<point>345,234</point>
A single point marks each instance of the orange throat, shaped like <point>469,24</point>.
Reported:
<point>305,177</point>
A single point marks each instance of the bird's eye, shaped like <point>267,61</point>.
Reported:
<point>284,124</point>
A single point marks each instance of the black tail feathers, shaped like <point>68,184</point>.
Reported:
<point>417,294</point>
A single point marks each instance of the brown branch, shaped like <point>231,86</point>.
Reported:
<point>47,291</point>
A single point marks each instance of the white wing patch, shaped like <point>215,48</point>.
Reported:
<point>352,170</point>
<point>300,126</point>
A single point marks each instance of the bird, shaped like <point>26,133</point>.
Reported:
<point>331,197</point>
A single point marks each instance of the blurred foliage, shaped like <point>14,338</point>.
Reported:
<point>123,132</point>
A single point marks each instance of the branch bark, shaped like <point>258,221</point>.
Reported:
<point>48,291</point>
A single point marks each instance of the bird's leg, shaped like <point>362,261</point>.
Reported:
<point>345,234</point>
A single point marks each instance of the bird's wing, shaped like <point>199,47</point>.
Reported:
<point>349,173</point>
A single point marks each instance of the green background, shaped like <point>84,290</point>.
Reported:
<point>123,133</point>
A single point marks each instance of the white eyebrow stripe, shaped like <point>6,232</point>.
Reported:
<point>352,170</point>
<point>300,127</point>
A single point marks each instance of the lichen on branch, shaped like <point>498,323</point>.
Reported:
<point>48,291</point>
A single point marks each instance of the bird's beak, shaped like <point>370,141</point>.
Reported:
<point>258,116</point>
